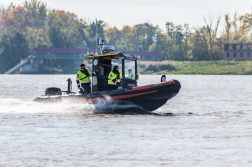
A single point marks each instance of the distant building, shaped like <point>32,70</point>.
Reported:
<point>34,61</point>
<point>242,51</point>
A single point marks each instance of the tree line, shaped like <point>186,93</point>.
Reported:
<point>34,25</point>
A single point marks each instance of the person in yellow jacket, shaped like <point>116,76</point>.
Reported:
<point>114,79</point>
<point>132,76</point>
<point>83,79</point>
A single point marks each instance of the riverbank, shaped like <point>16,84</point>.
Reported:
<point>196,67</point>
<point>174,68</point>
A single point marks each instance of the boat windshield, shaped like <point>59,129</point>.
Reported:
<point>129,69</point>
<point>117,62</point>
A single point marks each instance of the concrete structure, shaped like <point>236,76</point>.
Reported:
<point>242,51</point>
<point>39,54</point>
<point>23,63</point>
<point>32,65</point>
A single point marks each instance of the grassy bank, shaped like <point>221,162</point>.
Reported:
<point>196,68</point>
<point>174,67</point>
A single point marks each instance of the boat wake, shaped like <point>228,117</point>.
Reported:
<point>69,107</point>
<point>174,114</point>
<point>30,107</point>
<point>164,112</point>
<point>65,107</point>
<point>117,107</point>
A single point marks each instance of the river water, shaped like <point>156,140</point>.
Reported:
<point>207,124</point>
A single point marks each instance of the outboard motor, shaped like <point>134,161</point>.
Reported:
<point>53,91</point>
<point>57,91</point>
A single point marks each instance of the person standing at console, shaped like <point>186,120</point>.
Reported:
<point>114,78</point>
<point>83,79</point>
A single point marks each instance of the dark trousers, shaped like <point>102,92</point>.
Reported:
<point>112,87</point>
<point>86,87</point>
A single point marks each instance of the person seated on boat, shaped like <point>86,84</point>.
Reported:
<point>114,79</point>
<point>83,79</point>
<point>163,78</point>
<point>132,76</point>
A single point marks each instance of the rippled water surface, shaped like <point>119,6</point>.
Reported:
<point>208,123</point>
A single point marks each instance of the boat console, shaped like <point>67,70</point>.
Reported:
<point>103,63</point>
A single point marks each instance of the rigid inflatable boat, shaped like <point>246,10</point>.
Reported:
<point>145,98</point>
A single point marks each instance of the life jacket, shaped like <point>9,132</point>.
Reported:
<point>132,76</point>
<point>83,75</point>
<point>113,76</point>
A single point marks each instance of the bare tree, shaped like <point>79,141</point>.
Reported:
<point>240,28</point>
<point>2,9</point>
<point>186,26</point>
<point>227,26</point>
<point>211,29</point>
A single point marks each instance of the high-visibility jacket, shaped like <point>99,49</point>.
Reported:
<point>132,76</point>
<point>113,76</point>
<point>83,76</point>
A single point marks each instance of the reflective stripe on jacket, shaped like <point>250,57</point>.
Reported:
<point>114,76</point>
<point>82,77</point>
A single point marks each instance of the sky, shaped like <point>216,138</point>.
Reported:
<point>131,12</point>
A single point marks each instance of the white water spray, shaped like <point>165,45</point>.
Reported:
<point>11,105</point>
<point>64,107</point>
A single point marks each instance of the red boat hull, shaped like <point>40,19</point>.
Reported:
<point>145,98</point>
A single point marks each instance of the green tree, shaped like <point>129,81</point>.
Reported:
<point>38,13</point>
<point>198,44</point>
<point>160,44</point>
<point>113,36</point>
<point>90,33</point>
<point>13,46</point>
<point>56,32</point>
<point>127,38</point>
<point>143,36</point>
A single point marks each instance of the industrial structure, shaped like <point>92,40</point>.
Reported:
<point>242,51</point>
<point>35,60</point>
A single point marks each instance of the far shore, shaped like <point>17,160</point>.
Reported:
<point>176,68</point>
<point>196,67</point>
